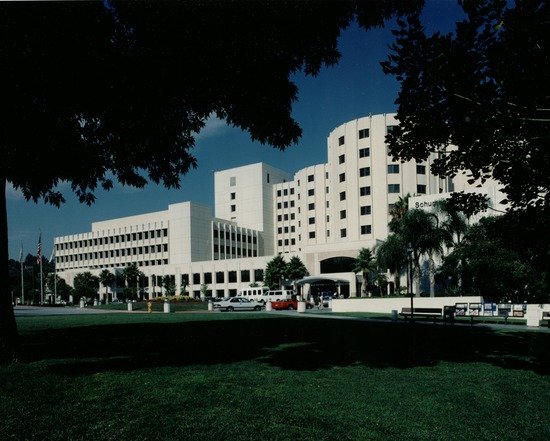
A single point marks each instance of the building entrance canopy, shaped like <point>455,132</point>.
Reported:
<point>321,280</point>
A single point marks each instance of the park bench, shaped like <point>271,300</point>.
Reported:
<point>432,313</point>
<point>546,318</point>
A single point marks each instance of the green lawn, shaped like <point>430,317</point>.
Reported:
<point>248,376</point>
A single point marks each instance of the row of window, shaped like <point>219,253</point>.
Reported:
<point>365,229</point>
<point>135,251</point>
<point>363,133</point>
<point>285,192</point>
<point>219,277</point>
<point>120,238</point>
<point>120,264</point>
<point>233,251</point>
<point>234,236</point>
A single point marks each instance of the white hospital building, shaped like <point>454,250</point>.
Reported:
<point>323,214</point>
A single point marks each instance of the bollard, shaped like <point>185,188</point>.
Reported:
<point>301,306</point>
<point>130,306</point>
<point>210,306</point>
<point>268,306</point>
<point>82,302</point>
<point>149,307</point>
<point>166,306</point>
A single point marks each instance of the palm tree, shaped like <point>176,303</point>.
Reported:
<point>106,278</point>
<point>398,210</point>
<point>421,232</point>
<point>392,256</point>
<point>131,275</point>
<point>365,264</point>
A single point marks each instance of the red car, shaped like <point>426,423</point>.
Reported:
<point>288,305</point>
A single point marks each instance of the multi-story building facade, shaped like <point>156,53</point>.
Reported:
<point>324,215</point>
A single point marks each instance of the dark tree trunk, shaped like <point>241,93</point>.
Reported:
<point>8,326</point>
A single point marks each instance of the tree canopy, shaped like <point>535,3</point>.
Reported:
<point>485,90</point>
<point>100,91</point>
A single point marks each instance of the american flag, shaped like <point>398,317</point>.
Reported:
<point>39,250</point>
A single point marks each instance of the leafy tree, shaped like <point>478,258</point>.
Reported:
<point>85,285</point>
<point>295,269</point>
<point>399,209</point>
<point>484,90</point>
<point>184,285</point>
<point>169,285</point>
<point>103,91</point>
<point>107,279</point>
<point>204,290</point>
<point>492,268</point>
<point>392,255</point>
<point>275,271</point>
<point>57,284</point>
<point>365,264</point>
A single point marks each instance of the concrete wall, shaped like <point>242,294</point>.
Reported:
<point>387,305</point>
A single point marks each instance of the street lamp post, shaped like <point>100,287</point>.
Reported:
<point>410,268</point>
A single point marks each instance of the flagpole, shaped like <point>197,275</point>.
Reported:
<point>21,265</point>
<point>41,282</point>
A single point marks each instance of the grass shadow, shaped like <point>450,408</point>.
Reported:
<point>285,342</point>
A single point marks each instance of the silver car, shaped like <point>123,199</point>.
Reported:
<point>238,304</point>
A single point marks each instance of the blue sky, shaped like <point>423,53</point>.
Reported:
<point>354,88</point>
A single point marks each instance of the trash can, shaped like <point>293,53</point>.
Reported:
<point>394,315</point>
<point>449,314</point>
<point>210,306</point>
<point>268,306</point>
<point>166,306</point>
<point>82,302</point>
<point>130,306</point>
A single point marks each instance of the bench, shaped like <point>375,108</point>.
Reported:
<point>546,317</point>
<point>433,313</point>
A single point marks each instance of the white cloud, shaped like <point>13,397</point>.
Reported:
<point>213,127</point>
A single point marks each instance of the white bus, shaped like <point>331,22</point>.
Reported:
<point>275,295</point>
<point>253,293</point>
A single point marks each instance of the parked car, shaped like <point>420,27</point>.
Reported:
<point>238,304</point>
<point>290,305</point>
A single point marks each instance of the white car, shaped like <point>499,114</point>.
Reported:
<point>238,304</point>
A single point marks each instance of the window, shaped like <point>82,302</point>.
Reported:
<point>267,178</point>
<point>393,188</point>
<point>365,209</point>
<point>311,206</point>
<point>364,191</point>
<point>365,152</point>
<point>312,234</point>
<point>343,232</point>
<point>285,192</point>
<point>390,129</point>
<point>341,159</point>
<point>366,229</point>
<point>342,195</point>
<point>232,181</point>
<point>420,169</point>
<point>279,217</point>
<point>196,278</point>
<point>342,177</point>
<point>280,230</point>
<point>278,193</point>
<point>311,192</point>
<point>259,275</point>
<point>280,242</point>
<point>342,214</point>
<point>421,189</point>
<point>363,133</point>
<point>393,168</point>
<point>291,191</point>
<point>311,220</point>
<point>310,178</point>
<point>233,207</point>
<point>364,171</point>
<point>279,205</point>
<point>232,196</point>
<point>341,140</point>
<point>208,278</point>
<point>285,204</point>
<point>245,276</point>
